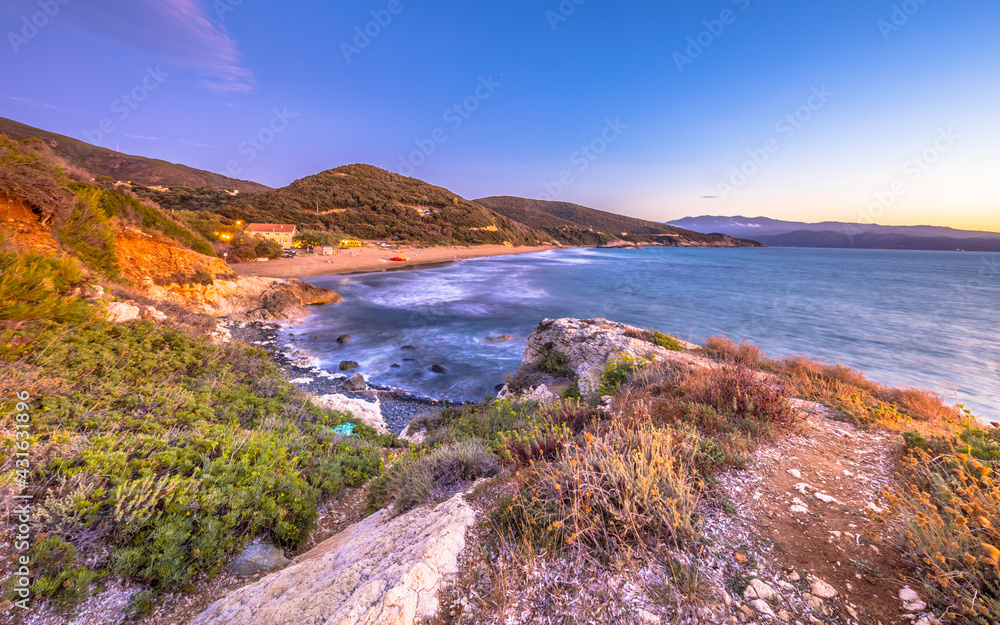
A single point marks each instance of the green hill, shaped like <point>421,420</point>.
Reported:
<point>83,218</point>
<point>368,202</point>
<point>100,161</point>
<point>573,224</point>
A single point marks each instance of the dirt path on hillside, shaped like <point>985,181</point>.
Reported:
<point>810,509</point>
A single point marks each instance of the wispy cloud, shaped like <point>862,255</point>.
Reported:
<point>193,143</point>
<point>41,105</point>
<point>144,138</point>
<point>178,31</point>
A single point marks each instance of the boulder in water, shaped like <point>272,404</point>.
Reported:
<point>355,383</point>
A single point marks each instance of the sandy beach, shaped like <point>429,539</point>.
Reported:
<point>371,259</point>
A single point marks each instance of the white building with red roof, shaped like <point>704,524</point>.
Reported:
<point>282,233</point>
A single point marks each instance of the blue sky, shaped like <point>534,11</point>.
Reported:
<point>872,111</point>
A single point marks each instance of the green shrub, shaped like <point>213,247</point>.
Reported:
<point>556,364</point>
<point>665,341</point>
<point>617,372</point>
<point>130,210</point>
<point>482,422</point>
<point>251,248</point>
<point>57,574</point>
<point>413,479</point>
<point>89,234</point>
<point>34,287</point>
<point>198,447</point>
<point>28,173</point>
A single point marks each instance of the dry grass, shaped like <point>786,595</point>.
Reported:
<point>863,401</point>
<point>950,517</point>
<point>743,353</point>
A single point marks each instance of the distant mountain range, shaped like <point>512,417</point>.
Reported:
<point>779,233</point>
<point>125,167</point>
<point>572,224</point>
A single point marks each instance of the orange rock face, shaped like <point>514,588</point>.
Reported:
<point>145,256</point>
<point>24,233</point>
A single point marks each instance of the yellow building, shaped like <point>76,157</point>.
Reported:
<point>350,243</point>
<point>282,233</point>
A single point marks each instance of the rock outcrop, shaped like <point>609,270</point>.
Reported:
<point>590,344</point>
<point>246,298</point>
<point>157,264</point>
<point>379,571</point>
<point>123,312</point>
<point>368,412</point>
<point>144,255</point>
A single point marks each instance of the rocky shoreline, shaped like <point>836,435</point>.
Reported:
<point>397,406</point>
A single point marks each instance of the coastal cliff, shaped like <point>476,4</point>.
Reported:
<point>667,482</point>
<point>799,495</point>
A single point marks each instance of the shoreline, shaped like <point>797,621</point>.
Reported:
<point>372,259</point>
<point>398,406</point>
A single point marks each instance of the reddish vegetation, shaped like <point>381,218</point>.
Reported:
<point>865,402</point>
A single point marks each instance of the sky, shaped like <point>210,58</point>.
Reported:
<point>871,111</point>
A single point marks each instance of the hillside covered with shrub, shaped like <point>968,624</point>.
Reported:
<point>98,161</point>
<point>155,454</point>
<point>83,217</point>
<point>367,202</point>
<point>572,224</point>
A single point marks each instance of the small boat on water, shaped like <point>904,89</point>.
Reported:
<point>401,259</point>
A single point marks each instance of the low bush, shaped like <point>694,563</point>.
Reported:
<point>89,234</point>
<point>542,441</point>
<point>656,338</point>
<point>617,372</point>
<point>246,248</point>
<point>484,422</point>
<point>556,364</point>
<point>34,287</point>
<point>413,479</point>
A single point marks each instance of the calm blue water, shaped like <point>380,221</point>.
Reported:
<point>924,319</point>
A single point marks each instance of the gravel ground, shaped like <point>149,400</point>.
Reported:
<point>398,406</point>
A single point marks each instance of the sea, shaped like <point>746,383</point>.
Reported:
<point>929,320</point>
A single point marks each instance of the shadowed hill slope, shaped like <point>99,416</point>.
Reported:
<point>578,225</point>
<point>126,167</point>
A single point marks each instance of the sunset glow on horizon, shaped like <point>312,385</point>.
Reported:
<point>854,111</point>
